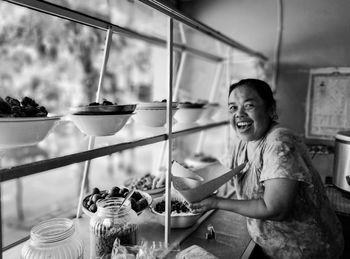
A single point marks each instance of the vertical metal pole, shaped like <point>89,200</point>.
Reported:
<point>227,83</point>
<point>169,129</point>
<point>183,57</point>
<point>1,212</point>
<point>92,138</point>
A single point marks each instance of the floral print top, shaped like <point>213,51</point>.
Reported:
<point>312,230</point>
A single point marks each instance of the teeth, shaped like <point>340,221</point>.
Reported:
<point>242,124</point>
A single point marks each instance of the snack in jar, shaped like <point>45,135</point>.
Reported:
<point>109,223</point>
<point>55,239</point>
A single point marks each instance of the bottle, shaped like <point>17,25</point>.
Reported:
<point>55,239</point>
<point>109,223</point>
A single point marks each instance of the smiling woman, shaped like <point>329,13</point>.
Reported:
<point>278,190</point>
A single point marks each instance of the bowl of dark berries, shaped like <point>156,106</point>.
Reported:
<point>139,200</point>
<point>23,122</point>
<point>101,119</point>
<point>180,217</point>
<point>104,108</point>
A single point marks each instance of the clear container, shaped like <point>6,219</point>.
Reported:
<point>55,239</point>
<point>110,223</point>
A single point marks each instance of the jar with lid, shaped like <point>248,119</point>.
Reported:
<point>56,239</point>
<point>109,223</point>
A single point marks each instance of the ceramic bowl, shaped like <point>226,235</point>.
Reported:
<point>25,131</point>
<point>100,125</point>
<point>188,115</point>
<point>103,109</point>
<point>177,220</point>
<point>152,117</point>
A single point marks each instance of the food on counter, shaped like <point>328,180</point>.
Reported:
<point>137,200</point>
<point>144,183</point>
<point>177,207</point>
<point>195,252</point>
<point>105,236</point>
<point>27,107</point>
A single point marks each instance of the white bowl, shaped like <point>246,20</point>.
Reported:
<point>25,131</point>
<point>152,117</point>
<point>100,125</point>
<point>188,115</point>
<point>182,220</point>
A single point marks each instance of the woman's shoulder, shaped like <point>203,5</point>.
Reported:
<point>281,134</point>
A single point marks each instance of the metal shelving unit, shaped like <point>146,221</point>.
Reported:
<point>7,174</point>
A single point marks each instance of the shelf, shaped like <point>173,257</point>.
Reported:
<point>7,174</point>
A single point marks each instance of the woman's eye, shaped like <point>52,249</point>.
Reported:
<point>248,106</point>
<point>232,109</point>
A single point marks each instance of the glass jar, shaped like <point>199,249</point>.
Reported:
<point>109,223</point>
<point>55,239</point>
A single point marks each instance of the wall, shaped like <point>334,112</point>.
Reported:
<point>316,33</point>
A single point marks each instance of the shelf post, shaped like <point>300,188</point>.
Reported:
<point>169,130</point>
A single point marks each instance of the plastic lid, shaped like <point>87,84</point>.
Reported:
<point>343,135</point>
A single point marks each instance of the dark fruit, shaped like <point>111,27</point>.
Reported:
<point>122,191</point>
<point>143,203</point>
<point>96,197</point>
<point>93,208</point>
<point>136,196</point>
<point>95,191</point>
<point>114,192</point>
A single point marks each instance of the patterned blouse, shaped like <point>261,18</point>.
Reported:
<point>312,230</point>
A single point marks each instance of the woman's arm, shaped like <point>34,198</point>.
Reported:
<point>278,199</point>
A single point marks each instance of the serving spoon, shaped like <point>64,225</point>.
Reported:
<point>125,199</point>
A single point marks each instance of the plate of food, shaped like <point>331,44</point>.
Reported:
<point>144,184</point>
<point>139,200</point>
<point>180,217</point>
<point>104,108</point>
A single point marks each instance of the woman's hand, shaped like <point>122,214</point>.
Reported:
<point>204,205</point>
<point>159,180</point>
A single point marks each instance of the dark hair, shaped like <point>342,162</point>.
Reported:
<point>264,91</point>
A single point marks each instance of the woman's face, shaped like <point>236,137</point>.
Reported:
<point>249,116</point>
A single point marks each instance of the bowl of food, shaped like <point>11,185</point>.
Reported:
<point>191,105</point>
<point>100,125</point>
<point>144,184</point>
<point>156,105</point>
<point>188,115</point>
<point>23,122</point>
<point>139,200</point>
<point>106,107</point>
<point>181,216</point>
<point>152,117</point>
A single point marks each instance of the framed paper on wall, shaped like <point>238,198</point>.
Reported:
<point>328,103</point>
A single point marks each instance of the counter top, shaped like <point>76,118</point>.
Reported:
<point>232,239</point>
